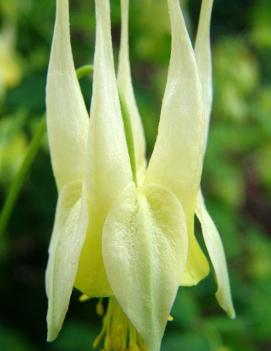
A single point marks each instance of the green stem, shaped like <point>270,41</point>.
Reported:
<point>20,176</point>
<point>84,71</point>
<point>129,136</point>
<point>29,158</point>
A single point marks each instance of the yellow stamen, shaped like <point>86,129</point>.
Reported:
<point>118,332</point>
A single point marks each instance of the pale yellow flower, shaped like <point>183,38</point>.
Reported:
<point>123,229</point>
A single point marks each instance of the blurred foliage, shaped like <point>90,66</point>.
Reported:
<point>236,179</point>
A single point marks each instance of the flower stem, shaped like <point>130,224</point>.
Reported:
<point>27,162</point>
<point>83,71</point>
<point>20,176</point>
<point>128,135</point>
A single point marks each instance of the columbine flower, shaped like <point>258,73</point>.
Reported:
<point>125,230</point>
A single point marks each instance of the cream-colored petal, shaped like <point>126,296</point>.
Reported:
<point>197,266</point>
<point>126,89</point>
<point>210,233</point>
<point>145,250</point>
<point>108,168</point>
<point>91,278</point>
<point>68,237</point>
<point>176,161</point>
<point>216,252</point>
<point>204,58</point>
<point>67,117</point>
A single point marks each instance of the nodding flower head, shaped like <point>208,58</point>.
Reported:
<point>124,229</point>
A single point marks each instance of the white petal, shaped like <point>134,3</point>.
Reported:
<point>204,58</point>
<point>145,250</point>
<point>108,166</point>
<point>68,236</point>
<point>216,252</point>
<point>67,118</point>
<point>176,161</point>
<point>126,89</point>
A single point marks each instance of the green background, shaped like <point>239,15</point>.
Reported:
<point>236,177</point>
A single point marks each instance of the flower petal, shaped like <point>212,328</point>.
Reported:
<point>68,236</point>
<point>109,169</point>
<point>91,278</point>
<point>126,89</point>
<point>209,230</point>
<point>108,165</point>
<point>67,117</point>
<point>216,252</point>
<point>197,266</point>
<point>145,250</point>
<point>176,161</point>
<point>204,57</point>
